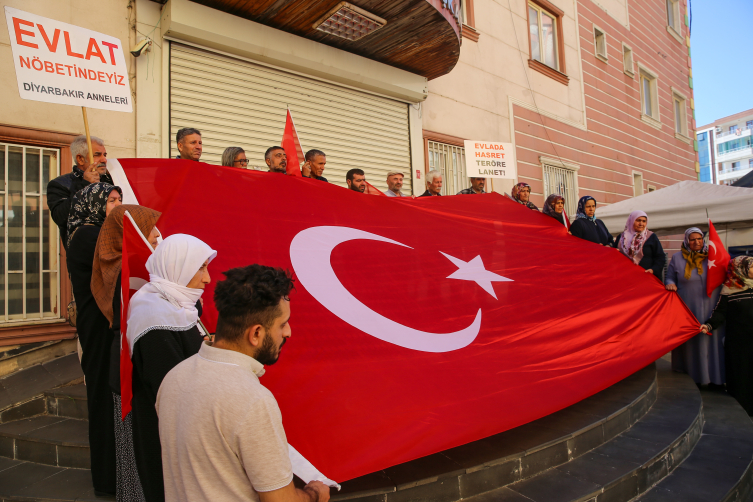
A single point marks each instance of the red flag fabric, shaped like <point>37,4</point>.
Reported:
<point>372,190</point>
<point>292,147</point>
<point>718,261</point>
<point>133,275</point>
<point>418,325</point>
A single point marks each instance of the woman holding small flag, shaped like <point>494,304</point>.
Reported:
<point>162,332</point>
<point>701,357</point>
<point>641,245</point>
<point>735,308</point>
<point>105,286</point>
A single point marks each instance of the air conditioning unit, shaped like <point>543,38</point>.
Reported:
<point>718,130</point>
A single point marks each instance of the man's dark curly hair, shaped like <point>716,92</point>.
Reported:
<point>248,296</point>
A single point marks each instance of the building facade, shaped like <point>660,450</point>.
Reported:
<point>596,98</point>
<point>725,149</point>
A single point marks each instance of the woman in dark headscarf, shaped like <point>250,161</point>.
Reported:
<point>702,357</point>
<point>736,308</point>
<point>105,286</point>
<point>641,245</point>
<point>554,206</point>
<point>89,208</point>
<point>521,193</point>
<point>587,227</point>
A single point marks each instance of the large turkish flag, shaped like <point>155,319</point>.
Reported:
<point>418,324</point>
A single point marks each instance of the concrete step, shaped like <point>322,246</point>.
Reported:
<point>630,463</point>
<point>26,482</point>
<point>491,463</point>
<point>720,467</point>
<point>22,393</point>
<point>48,440</point>
<point>18,357</point>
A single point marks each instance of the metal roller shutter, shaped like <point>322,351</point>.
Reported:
<point>237,103</point>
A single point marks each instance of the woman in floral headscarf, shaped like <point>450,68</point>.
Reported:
<point>587,227</point>
<point>641,245</point>
<point>89,208</point>
<point>701,357</point>
<point>521,193</point>
<point>735,307</point>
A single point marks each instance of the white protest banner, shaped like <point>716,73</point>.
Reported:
<point>61,63</point>
<point>490,160</point>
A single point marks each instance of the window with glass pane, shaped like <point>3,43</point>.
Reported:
<point>30,273</point>
<point>450,161</point>
<point>749,123</point>
<point>733,128</point>
<point>647,104</point>
<point>561,181</point>
<point>678,116</point>
<point>543,32</point>
<point>627,59</point>
<point>674,16</point>
<point>600,41</point>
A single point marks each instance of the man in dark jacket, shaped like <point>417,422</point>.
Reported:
<point>61,190</point>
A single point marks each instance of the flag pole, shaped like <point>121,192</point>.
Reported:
<point>88,140</point>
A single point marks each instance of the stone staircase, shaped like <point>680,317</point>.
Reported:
<point>651,437</point>
<point>44,444</point>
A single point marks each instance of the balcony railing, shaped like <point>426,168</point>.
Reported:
<point>738,132</point>
<point>743,151</point>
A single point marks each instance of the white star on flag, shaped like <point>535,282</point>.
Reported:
<point>475,271</point>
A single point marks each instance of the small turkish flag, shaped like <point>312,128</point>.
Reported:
<point>133,275</point>
<point>372,190</point>
<point>718,260</point>
<point>292,147</point>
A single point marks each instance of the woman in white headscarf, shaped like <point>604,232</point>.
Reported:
<point>641,245</point>
<point>162,332</point>
<point>701,357</point>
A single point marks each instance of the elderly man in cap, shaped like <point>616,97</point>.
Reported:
<point>395,184</point>
<point>477,186</point>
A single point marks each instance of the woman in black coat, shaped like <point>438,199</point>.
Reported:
<point>735,307</point>
<point>587,227</point>
<point>89,208</point>
<point>162,332</point>
<point>641,245</point>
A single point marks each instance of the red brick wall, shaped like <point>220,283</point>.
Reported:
<point>617,141</point>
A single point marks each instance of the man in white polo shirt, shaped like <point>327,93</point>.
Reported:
<point>221,430</point>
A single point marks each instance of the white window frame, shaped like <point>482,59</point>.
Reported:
<point>454,176</point>
<point>679,98</point>
<point>565,170</point>
<point>600,39</point>
<point>53,239</point>
<point>654,118</point>
<point>637,175</point>
<point>557,57</point>
<point>674,13</point>
<point>627,61</point>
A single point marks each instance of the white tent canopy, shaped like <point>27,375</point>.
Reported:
<point>673,209</point>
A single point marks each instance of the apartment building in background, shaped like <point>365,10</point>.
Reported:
<point>725,149</point>
<point>595,96</point>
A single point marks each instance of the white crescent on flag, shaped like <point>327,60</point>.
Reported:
<point>310,252</point>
